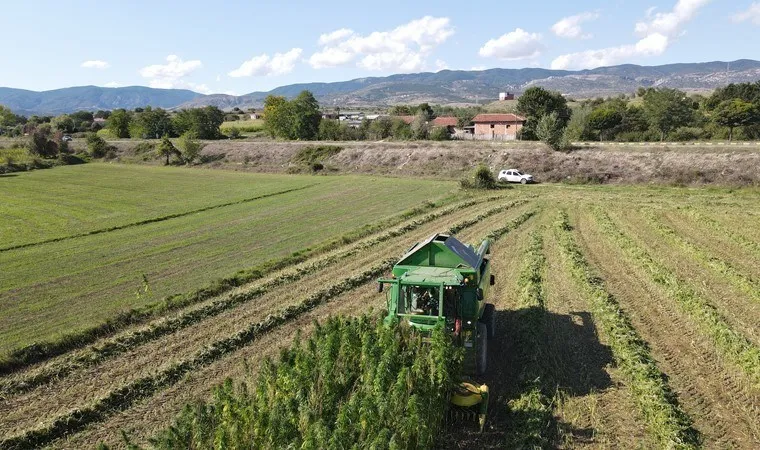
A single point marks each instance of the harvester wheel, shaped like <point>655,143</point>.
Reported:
<point>489,318</point>
<point>482,357</point>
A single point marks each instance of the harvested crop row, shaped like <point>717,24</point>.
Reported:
<point>750,245</point>
<point>657,404</point>
<point>153,414</point>
<point>735,277</point>
<point>531,414</point>
<point>25,411</point>
<point>124,397</point>
<point>734,347</point>
<point>26,356</point>
<point>124,343</point>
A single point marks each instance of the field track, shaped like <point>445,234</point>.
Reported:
<point>623,320</point>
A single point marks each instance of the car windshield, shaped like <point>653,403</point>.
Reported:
<point>517,172</point>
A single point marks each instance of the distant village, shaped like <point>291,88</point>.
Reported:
<point>486,126</point>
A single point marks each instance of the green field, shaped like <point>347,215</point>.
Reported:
<point>245,126</point>
<point>53,288</point>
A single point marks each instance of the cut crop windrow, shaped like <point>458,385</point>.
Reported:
<point>124,397</point>
<point>731,273</point>
<point>121,344</point>
<point>750,245</point>
<point>25,356</point>
<point>732,345</point>
<point>531,414</point>
<point>656,402</point>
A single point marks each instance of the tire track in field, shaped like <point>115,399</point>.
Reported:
<point>717,400</point>
<point>154,219</point>
<point>148,417</point>
<point>125,396</point>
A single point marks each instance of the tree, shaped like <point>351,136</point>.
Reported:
<point>603,119</point>
<point>190,147</point>
<point>8,119</point>
<point>551,131</point>
<point>118,122</point>
<point>440,134</point>
<point>329,130</point>
<point>426,110</point>
<point>96,145</point>
<point>735,113</point>
<point>202,122</point>
<point>381,128</point>
<point>166,149</point>
<point>667,109</point>
<point>419,126</point>
<point>401,110</point>
<point>537,102</point>
<point>153,123</point>
<point>306,116</point>
<point>40,144</point>
<point>277,116</point>
<point>63,123</point>
<point>401,130</point>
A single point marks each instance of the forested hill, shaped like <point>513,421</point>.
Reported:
<point>444,87</point>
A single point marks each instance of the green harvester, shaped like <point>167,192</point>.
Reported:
<point>443,282</point>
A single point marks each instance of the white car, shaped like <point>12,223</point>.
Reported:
<point>515,176</point>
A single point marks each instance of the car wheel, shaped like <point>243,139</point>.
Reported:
<point>523,181</point>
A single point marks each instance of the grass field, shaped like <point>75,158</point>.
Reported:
<point>92,232</point>
<point>245,126</point>
<point>15,155</point>
<point>627,317</point>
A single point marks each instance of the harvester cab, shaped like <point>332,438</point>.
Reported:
<point>443,282</point>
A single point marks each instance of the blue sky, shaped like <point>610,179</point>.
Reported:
<point>244,46</point>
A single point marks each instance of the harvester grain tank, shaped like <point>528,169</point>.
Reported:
<point>443,282</point>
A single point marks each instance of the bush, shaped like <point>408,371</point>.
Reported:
<point>482,178</point>
<point>190,147</point>
<point>440,134</point>
<point>233,133</point>
<point>96,145</point>
<point>551,131</point>
<point>40,144</point>
<point>311,154</point>
<point>686,134</point>
<point>144,147</point>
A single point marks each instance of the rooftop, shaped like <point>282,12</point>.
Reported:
<point>480,118</point>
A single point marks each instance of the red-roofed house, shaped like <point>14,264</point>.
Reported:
<point>497,126</point>
<point>407,119</point>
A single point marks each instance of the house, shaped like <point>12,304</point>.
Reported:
<point>506,96</point>
<point>255,116</point>
<point>503,127</point>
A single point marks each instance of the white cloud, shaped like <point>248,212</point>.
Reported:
<point>263,65</point>
<point>441,65</point>
<point>405,48</point>
<point>656,34</point>
<point>95,64</point>
<point>171,75</point>
<point>752,14</point>
<point>669,23</point>
<point>329,38</point>
<point>478,68</point>
<point>518,44</point>
<point>570,27</point>
<point>112,84</point>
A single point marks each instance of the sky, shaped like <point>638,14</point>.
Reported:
<point>237,47</point>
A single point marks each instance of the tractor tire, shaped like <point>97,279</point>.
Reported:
<point>489,319</point>
<point>482,355</point>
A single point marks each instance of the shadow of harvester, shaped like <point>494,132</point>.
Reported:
<point>536,351</point>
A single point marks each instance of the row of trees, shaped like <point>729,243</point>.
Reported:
<point>301,118</point>
<point>670,114</point>
<point>149,123</point>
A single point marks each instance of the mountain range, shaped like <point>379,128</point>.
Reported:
<point>443,87</point>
